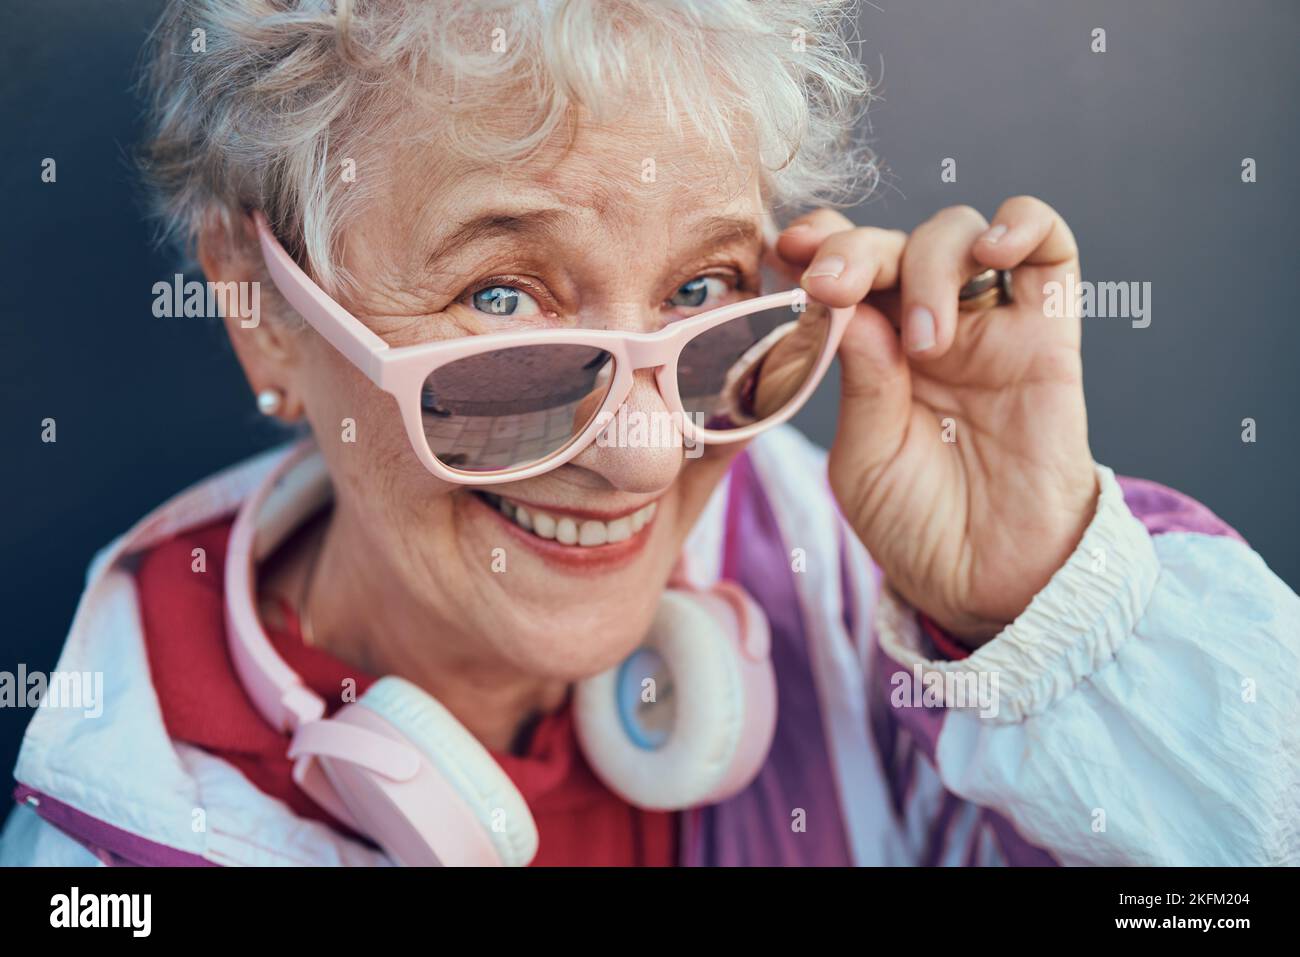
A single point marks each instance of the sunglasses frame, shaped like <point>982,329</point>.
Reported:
<point>401,371</point>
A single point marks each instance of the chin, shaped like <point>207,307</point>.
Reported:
<point>571,647</point>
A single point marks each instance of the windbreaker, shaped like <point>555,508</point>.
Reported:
<point>1145,711</point>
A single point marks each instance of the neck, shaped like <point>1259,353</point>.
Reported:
<point>362,612</point>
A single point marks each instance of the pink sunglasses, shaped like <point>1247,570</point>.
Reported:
<point>501,407</point>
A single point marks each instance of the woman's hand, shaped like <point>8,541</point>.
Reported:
<point>962,456</point>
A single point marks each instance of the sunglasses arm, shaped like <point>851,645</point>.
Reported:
<point>344,331</point>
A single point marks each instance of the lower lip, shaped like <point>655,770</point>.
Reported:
<point>594,558</point>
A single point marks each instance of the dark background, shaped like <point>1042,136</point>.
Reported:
<point>1139,148</point>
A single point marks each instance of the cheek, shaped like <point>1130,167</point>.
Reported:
<point>376,473</point>
<point>350,417</point>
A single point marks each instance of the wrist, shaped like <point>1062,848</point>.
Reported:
<point>1000,596</point>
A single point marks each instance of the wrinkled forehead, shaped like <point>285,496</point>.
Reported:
<point>638,180</point>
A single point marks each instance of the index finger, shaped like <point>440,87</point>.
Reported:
<point>800,240</point>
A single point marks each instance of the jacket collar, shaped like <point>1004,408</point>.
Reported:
<point>120,779</point>
<point>120,773</point>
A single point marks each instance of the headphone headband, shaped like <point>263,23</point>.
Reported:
<point>297,486</point>
<point>399,768</point>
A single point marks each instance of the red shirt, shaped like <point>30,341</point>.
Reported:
<point>579,820</point>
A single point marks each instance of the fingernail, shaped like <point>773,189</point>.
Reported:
<point>797,228</point>
<point>994,234</point>
<point>828,267</point>
<point>919,334</point>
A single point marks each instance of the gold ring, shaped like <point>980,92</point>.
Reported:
<point>990,288</point>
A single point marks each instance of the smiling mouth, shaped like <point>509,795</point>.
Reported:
<point>570,530</point>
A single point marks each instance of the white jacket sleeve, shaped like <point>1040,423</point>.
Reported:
<point>29,841</point>
<point>1147,702</point>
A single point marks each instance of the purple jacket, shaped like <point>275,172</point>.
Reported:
<point>1142,710</point>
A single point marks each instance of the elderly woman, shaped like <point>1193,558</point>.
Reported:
<point>550,583</point>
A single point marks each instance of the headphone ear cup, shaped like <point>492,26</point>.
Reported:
<point>715,692</point>
<point>461,808</point>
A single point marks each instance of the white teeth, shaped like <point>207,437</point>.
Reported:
<point>589,533</point>
<point>566,531</point>
<point>642,517</point>
<point>543,525</point>
<point>593,533</point>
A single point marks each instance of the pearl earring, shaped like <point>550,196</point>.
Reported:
<point>269,401</point>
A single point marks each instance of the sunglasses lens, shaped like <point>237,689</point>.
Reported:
<point>510,408</point>
<point>747,370</point>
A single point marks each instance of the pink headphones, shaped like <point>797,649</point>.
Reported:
<point>686,720</point>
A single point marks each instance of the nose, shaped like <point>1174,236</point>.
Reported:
<point>641,449</point>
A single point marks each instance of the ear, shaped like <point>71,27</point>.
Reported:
<point>268,350</point>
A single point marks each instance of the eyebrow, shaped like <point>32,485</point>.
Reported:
<point>547,223</point>
<point>717,230</point>
<point>541,223</point>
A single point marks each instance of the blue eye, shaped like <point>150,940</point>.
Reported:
<point>692,294</point>
<point>504,301</point>
<point>702,292</point>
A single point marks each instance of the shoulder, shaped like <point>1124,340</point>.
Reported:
<point>180,588</point>
<point>1162,510</point>
<point>787,452</point>
<point>788,472</point>
<point>1202,554</point>
<point>781,480</point>
<point>781,512</point>
<point>191,563</point>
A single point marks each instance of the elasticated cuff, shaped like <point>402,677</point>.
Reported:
<point>1070,629</point>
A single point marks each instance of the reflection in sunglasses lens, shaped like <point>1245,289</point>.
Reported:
<point>747,370</point>
<point>513,407</point>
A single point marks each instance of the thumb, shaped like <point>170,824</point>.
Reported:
<point>875,399</point>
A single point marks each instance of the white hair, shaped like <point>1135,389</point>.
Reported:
<point>259,108</point>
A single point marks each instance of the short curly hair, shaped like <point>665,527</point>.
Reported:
<point>254,103</point>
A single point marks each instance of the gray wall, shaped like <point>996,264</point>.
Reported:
<point>1139,148</point>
